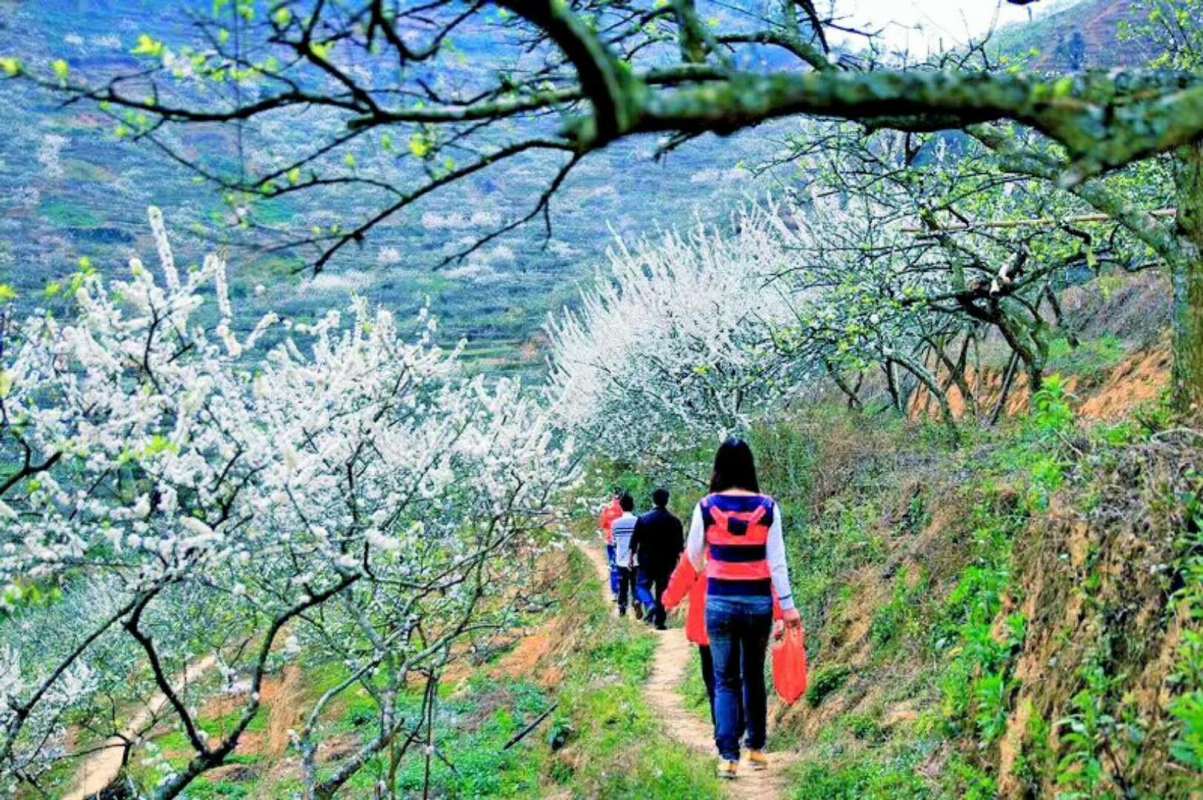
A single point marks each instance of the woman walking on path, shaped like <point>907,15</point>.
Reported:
<point>735,536</point>
<point>686,583</point>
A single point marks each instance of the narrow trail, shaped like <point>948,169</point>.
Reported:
<point>675,656</point>
<point>100,768</point>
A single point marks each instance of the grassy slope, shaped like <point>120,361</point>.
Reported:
<point>1007,618</point>
<point>601,741</point>
<point>1018,616</point>
<point>616,748</point>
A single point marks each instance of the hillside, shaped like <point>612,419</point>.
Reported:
<point>1077,36</point>
<point>265,536</point>
<point>70,188</point>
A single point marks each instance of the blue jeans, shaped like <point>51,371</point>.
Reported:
<point>708,679</point>
<point>626,587</point>
<point>612,560</point>
<point>739,629</point>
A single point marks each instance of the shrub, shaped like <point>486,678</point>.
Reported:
<point>863,780</point>
<point>825,681</point>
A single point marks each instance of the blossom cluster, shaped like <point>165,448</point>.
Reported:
<point>203,467</point>
<point>675,341</point>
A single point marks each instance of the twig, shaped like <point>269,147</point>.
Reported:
<point>529,728</point>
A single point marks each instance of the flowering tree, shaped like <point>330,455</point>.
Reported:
<point>345,494</point>
<point>878,261</point>
<point>923,246</point>
<point>675,343</point>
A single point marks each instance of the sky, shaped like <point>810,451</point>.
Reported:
<point>924,25</point>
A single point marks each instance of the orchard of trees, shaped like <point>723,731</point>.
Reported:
<point>190,495</point>
<point>184,484</point>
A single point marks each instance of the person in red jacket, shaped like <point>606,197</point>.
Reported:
<point>605,524</point>
<point>684,583</point>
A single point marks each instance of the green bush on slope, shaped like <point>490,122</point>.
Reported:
<point>995,696</point>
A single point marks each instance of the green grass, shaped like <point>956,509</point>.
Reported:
<point>203,789</point>
<point>693,692</point>
<point>860,779</point>
<point>824,681</point>
<point>899,618</point>
<point>1091,359</point>
<point>65,214</point>
<point>482,765</point>
<point>619,748</point>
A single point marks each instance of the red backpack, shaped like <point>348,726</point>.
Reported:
<point>736,557</point>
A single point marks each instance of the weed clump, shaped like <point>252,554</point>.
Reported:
<point>825,681</point>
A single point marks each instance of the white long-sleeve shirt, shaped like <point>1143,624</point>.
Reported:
<point>695,549</point>
<point>623,529</point>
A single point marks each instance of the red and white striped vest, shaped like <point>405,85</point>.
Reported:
<point>736,549</point>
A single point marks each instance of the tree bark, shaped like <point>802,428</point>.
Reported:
<point>854,401</point>
<point>1187,278</point>
<point>924,375</point>
<point>892,384</point>
<point>1008,378</point>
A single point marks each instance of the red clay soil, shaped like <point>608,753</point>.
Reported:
<point>1138,380</point>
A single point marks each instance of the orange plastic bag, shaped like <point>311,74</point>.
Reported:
<point>789,666</point>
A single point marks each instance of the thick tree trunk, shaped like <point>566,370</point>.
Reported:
<point>1187,276</point>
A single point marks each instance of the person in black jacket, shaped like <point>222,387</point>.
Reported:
<point>657,543</point>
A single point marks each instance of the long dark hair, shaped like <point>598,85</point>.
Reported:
<point>734,467</point>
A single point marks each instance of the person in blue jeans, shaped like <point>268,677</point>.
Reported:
<point>736,541</point>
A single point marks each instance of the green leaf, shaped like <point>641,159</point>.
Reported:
<point>282,17</point>
<point>61,70</point>
<point>6,384</point>
<point>7,293</point>
<point>159,445</point>
<point>11,67</point>
<point>419,146</point>
<point>294,176</point>
<point>148,47</point>
<point>349,160</point>
<point>1063,87</point>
